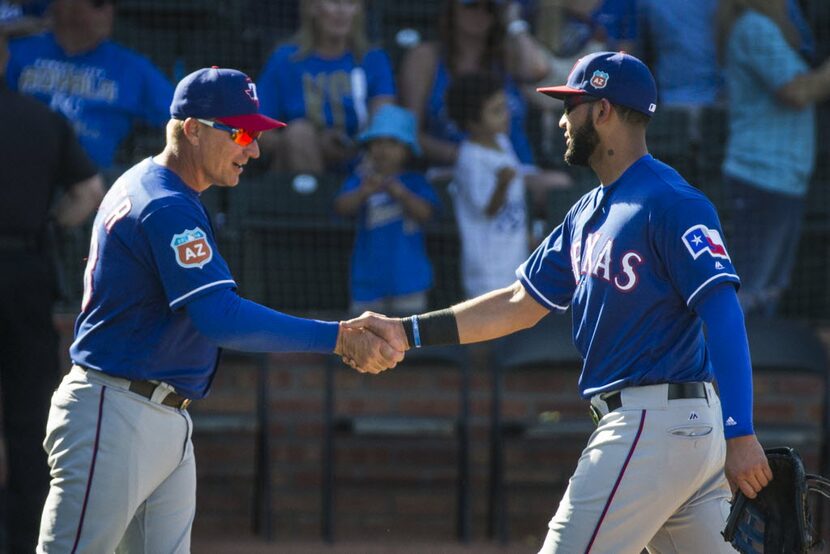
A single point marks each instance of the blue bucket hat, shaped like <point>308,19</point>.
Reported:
<point>616,76</point>
<point>392,121</point>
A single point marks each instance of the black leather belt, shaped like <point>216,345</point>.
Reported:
<point>146,389</point>
<point>676,391</point>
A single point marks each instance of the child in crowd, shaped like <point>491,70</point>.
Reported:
<point>390,271</point>
<point>489,188</point>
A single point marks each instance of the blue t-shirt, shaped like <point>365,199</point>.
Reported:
<point>100,91</point>
<point>771,145</point>
<point>681,34</point>
<point>389,257</point>
<point>152,252</point>
<point>439,124</point>
<point>632,259</point>
<point>331,93</point>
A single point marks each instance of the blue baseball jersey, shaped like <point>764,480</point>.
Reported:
<point>331,93</point>
<point>631,259</point>
<point>390,256</point>
<point>101,91</point>
<point>152,251</point>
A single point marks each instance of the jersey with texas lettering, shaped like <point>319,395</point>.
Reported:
<point>152,251</point>
<point>632,258</point>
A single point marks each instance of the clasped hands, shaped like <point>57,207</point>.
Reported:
<point>371,343</point>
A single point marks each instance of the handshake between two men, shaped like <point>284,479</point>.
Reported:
<point>372,343</point>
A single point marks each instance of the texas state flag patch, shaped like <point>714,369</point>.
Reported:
<point>700,238</point>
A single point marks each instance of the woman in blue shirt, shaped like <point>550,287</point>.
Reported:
<point>325,82</point>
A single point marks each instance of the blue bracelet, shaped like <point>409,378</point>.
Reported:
<point>416,333</point>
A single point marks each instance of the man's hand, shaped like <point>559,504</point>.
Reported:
<point>365,351</point>
<point>746,465</point>
<point>390,329</point>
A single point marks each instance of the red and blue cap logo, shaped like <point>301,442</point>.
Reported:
<point>226,95</point>
<point>616,76</point>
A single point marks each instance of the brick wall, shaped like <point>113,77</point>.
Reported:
<point>398,488</point>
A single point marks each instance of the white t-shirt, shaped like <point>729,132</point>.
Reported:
<point>491,247</point>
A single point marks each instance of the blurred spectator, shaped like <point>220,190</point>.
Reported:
<point>475,36</point>
<point>678,37</point>
<point>391,272</point>
<point>23,17</point>
<point>770,152</point>
<point>326,83</point>
<point>42,160</point>
<point>570,29</point>
<point>100,86</point>
<point>488,186</point>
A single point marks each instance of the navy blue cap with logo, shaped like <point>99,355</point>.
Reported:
<point>226,95</point>
<point>616,76</point>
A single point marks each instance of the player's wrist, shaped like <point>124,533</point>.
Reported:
<point>431,329</point>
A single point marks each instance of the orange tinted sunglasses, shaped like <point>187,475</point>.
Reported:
<point>239,136</point>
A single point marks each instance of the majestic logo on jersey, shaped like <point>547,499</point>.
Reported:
<point>599,79</point>
<point>596,260</point>
<point>700,238</point>
<point>192,248</point>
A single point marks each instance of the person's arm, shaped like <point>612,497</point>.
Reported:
<point>526,58</point>
<point>234,322</point>
<point>349,203</point>
<point>806,88</point>
<point>79,201</point>
<point>416,78</point>
<point>486,317</point>
<point>504,177</point>
<point>746,465</point>
<point>413,205</point>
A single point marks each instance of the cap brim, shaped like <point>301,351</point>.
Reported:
<point>251,122</point>
<point>561,92</point>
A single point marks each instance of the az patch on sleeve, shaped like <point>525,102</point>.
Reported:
<point>192,248</point>
<point>699,239</point>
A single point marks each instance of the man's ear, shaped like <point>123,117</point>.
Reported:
<point>603,112</point>
<point>192,130</point>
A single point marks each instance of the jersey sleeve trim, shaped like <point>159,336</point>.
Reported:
<point>534,292</point>
<point>698,290</point>
<point>183,297</point>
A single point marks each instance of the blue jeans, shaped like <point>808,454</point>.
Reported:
<point>766,227</point>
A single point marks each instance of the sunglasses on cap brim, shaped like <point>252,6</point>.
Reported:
<point>239,136</point>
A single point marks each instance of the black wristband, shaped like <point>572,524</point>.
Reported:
<point>407,327</point>
<point>436,328</point>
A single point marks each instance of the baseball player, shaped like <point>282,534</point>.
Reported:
<point>642,263</point>
<point>158,304</point>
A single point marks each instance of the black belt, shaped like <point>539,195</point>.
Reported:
<point>676,391</point>
<point>146,389</point>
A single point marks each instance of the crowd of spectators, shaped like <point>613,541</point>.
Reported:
<point>328,78</point>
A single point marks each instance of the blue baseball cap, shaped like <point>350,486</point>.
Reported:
<point>616,76</point>
<point>391,121</point>
<point>226,95</point>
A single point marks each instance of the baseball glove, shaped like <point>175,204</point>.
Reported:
<point>777,521</point>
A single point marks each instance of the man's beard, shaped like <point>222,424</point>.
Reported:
<point>583,143</point>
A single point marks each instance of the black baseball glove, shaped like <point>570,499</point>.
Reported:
<point>777,521</point>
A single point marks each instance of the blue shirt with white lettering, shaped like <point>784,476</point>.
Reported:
<point>331,93</point>
<point>390,255</point>
<point>631,259</point>
<point>101,91</point>
<point>152,252</point>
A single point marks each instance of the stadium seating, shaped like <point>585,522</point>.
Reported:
<point>544,355</point>
<point>395,427</point>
